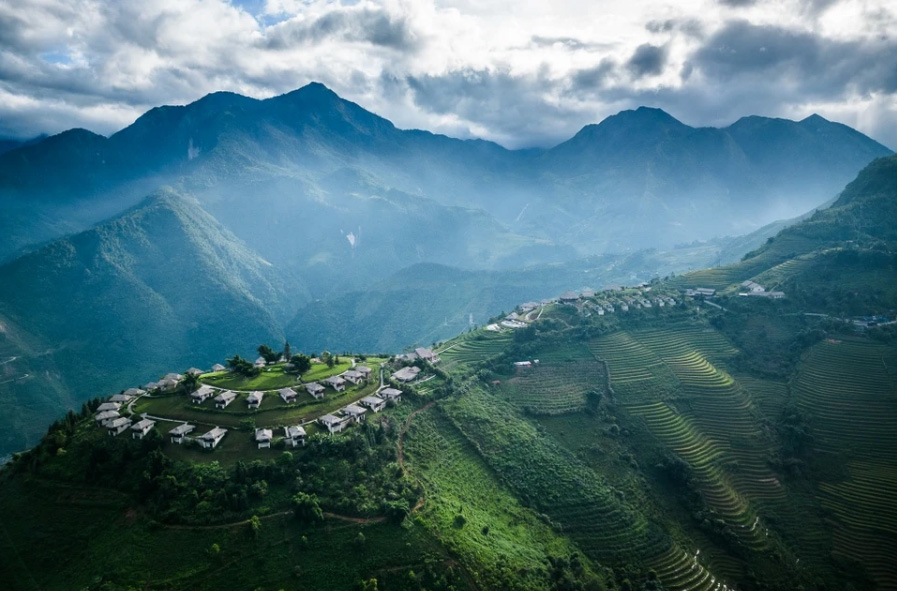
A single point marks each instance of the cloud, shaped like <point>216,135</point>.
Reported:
<point>648,60</point>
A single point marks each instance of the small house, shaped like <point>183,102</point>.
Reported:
<point>374,403</point>
<point>211,439</point>
<point>391,394</point>
<point>287,394</point>
<point>173,376</point>
<point>407,374</point>
<point>120,398</point>
<point>116,426</point>
<point>134,392</point>
<point>218,367</point>
<point>334,424</point>
<point>225,398</point>
<point>195,371</point>
<point>588,293</point>
<point>109,406</point>
<point>355,412</point>
<point>179,433</point>
<point>406,356</point>
<point>426,354</point>
<point>294,436</point>
<point>263,437</point>
<point>523,363</point>
<point>105,417</point>
<point>151,386</point>
<point>568,297</point>
<point>315,389</point>
<point>351,375</point>
<point>255,399</point>
<point>528,307</point>
<point>167,384</point>
<point>260,362</point>
<point>336,382</point>
<point>202,394</point>
<point>141,428</point>
<point>705,291</point>
<point>364,370</point>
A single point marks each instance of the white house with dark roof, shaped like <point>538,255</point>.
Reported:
<point>336,382</point>
<point>364,370</point>
<point>294,436</point>
<point>374,403</point>
<point>120,398</point>
<point>195,371</point>
<point>391,394</point>
<point>426,354</point>
<point>351,375</point>
<point>134,392</point>
<point>255,399</point>
<point>173,376</point>
<point>287,394</point>
<point>407,374</point>
<point>334,424</point>
<point>218,367</point>
<point>140,429</point>
<point>109,406</point>
<point>260,362</point>
<point>202,394</point>
<point>179,433</point>
<point>103,418</point>
<point>211,439</point>
<point>119,425</point>
<point>355,412</point>
<point>167,384</point>
<point>225,398</point>
<point>315,389</point>
<point>263,437</point>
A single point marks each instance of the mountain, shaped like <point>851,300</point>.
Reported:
<point>120,304</point>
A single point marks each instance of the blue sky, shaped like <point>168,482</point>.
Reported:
<point>521,72</point>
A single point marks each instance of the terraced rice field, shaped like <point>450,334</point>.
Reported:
<point>554,388</point>
<point>475,347</point>
<point>680,571</point>
<point>637,374</point>
<point>849,391</point>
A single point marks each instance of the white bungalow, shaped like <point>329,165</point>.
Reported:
<point>179,433</point>
<point>202,394</point>
<point>364,370</point>
<point>260,362</point>
<point>149,386</point>
<point>355,412</point>
<point>336,382</point>
<point>167,384</point>
<point>294,436</point>
<point>105,417</point>
<point>109,406</point>
<point>390,394</point>
<point>225,398</point>
<point>120,398</point>
<point>263,437</point>
<point>218,367</point>
<point>255,399</point>
<point>334,424</point>
<point>141,428</point>
<point>195,371</point>
<point>134,392</point>
<point>426,355</point>
<point>374,403</point>
<point>528,306</point>
<point>116,426</point>
<point>353,376</point>
<point>407,374</point>
<point>288,395</point>
<point>315,389</point>
<point>211,439</point>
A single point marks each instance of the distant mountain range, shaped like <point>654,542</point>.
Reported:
<point>306,217</point>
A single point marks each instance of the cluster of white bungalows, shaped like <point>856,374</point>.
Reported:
<point>169,382</point>
<point>179,434</point>
<point>202,394</point>
<point>141,428</point>
<point>355,413</point>
<point>211,439</point>
<point>225,398</point>
<point>255,399</point>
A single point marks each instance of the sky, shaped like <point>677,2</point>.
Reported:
<point>519,72</point>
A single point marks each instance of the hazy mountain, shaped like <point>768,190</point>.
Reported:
<point>158,287</point>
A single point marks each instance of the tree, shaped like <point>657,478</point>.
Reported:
<point>269,354</point>
<point>286,350</point>
<point>190,381</point>
<point>255,525</point>
<point>327,358</point>
<point>307,508</point>
<point>301,363</point>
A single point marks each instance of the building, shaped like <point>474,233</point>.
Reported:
<point>287,394</point>
<point>140,429</point>
<point>225,398</point>
<point>407,374</point>
<point>364,370</point>
<point>105,417</point>
<point>202,394</point>
<point>294,436</point>
<point>528,306</point>
<point>336,382</point>
<point>211,439</point>
<point>195,371</point>
<point>218,367</point>
<point>167,384</point>
<point>116,426</point>
<point>353,376</point>
<point>705,291</point>
<point>568,297</point>
<point>426,354</point>
<point>588,293</point>
<point>255,399</point>
<point>315,389</point>
<point>260,362</point>
<point>134,392</point>
<point>523,363</point>
<point>374,403</point>
<point>179,433</point>
<point>355,412</point>
<point>120,398</point>
<point>263,437</point>
<point>334,424</point>
<point>173,376</point>
<point>390,394</point>
<point>109,406</point>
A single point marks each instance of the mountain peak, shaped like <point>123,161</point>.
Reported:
<point>814,118</point>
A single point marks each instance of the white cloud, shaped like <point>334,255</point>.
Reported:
<point>519,71</point>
